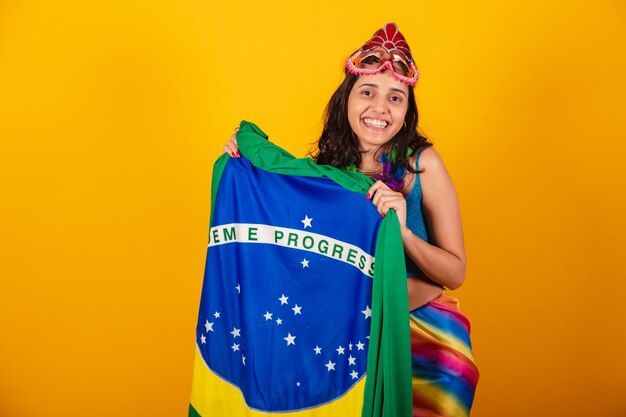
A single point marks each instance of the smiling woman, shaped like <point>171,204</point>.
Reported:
<point>371,126</point>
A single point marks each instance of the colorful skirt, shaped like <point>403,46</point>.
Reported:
<point>444,373</point>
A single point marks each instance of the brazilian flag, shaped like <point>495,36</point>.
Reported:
<point>304,307</point>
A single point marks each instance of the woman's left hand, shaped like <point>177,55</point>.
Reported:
<point>384,198</point>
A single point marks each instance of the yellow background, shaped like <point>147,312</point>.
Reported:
<point>112,113</point>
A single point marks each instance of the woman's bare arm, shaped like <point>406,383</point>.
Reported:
<point>443,261</point>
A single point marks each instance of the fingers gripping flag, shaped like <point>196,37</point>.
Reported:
<point>286,308</point>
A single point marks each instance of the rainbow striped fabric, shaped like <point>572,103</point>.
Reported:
<point>444,373</point>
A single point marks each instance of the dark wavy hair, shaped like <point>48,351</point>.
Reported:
<point>337,146</point>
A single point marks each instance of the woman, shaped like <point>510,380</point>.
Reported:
<point>371,126</point>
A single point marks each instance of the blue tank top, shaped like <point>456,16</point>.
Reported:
<point>415,217</point>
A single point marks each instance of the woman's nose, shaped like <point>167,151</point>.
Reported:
<point>380,104</point>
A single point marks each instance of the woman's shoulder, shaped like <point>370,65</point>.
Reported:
<point>429,160</point>
<point>437,186</point>
<point>430,167</point>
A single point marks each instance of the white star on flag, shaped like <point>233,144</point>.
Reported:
<point>354,374</point>
<point>267,315</point>
<point>203,339</point>
<point>235,347</point>
<point>360,345</point>
<point>243,360</point>
<point>350,346</point>
<point>330,365</point>
<point>340,350</point>
<point>279,322</point>
<point>283,299</point>
<point>367,312</point>
<point>291,340</point>
<point>209,326</point>
<point>296,310</point>
<point>236,332</point>
<point>238,287</point>
<point>318,350</point>
<point>298,384</point>
<point>351,360</point>
<point>305,263</point>
<point>307,221</point>
<point>216,315</point>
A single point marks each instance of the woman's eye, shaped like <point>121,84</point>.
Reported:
<point>397,99</point>
<point>367,93</point>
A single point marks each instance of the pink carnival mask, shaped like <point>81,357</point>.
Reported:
<point>386,50</point>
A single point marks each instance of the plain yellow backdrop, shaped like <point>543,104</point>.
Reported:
<point>112,113</point>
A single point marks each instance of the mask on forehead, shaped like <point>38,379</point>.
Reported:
<point>387,49</point>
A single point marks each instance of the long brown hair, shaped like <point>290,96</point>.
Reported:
<point>337,146</point>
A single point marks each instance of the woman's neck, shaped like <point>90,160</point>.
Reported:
<point>370,163</point>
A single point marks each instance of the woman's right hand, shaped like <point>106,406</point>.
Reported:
<point>231,147</point>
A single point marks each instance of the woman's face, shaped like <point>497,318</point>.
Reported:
<point>376,108</point>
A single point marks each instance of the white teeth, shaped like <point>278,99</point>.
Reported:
<point>375,123</point>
